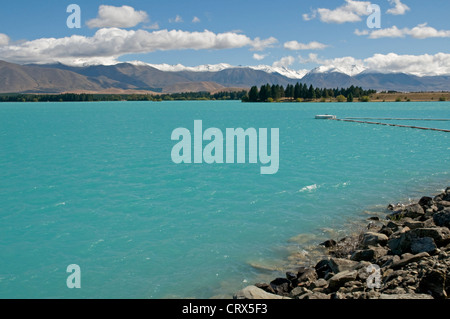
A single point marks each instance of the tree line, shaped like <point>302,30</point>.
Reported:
<point>72,97</point>
<point>301,92</point>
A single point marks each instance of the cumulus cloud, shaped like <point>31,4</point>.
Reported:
<point>420,65</point>
<point>177,19</point>
<point>259,44</point>
<point>399,8</point>
<point>351,11</point>
<point>421,31</point>
<point>4,39</point>
<point>259,57</point>
<point>108,43</point>
<point>296,46</point>
<point>117,17</point>
<point>195,20</point>
<point>284,62</point>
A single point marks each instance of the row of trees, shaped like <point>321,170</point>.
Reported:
<point>302,92</point>
<point>70,97</point>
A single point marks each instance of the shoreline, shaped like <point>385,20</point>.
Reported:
<point>404,256</point>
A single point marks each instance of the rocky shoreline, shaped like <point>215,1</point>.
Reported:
<point>406,256</point>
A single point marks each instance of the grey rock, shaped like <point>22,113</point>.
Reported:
<point>434,283</point>
<point>442,219</point>
<point>413,211</point>
<point>340,264</point>
<point>340,279</point>
<point>373,239</point>
<point>400,244</point>
<point>253,292</point>
<point>441,235</point>
<point>315,295</point>
<point>425,244</point>
<point>407,259</point>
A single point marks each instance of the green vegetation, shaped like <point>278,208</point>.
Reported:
<point>301,92</point>
<point>70,97</point>
<point>442,99</point>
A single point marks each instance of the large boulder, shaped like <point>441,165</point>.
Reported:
<point>424,244</point>
<point>441,235</point>
<point>434,283</point>
<point>413,211</point>
<point>442,218</point>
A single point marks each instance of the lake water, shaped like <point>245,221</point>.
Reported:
<point>93,184</point>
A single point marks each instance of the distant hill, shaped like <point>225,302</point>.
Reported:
<point>58,78</point>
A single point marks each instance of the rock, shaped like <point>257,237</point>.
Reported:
<point>340,264</point>
<point>441,235</point>
<point>323,267</point>
<point>406,296</point>
<point>407,259</point>
<point>319,283</point>
<point>374,218</point>
<point>442,219</point>
<point>413,224</point>
<point>281,286</point>
<point>373,239</point>
<point>308,275</point>
<point>315,295</point>
<point>386,231</point>
<point>370,254</point>
<point>340,279</point>
<point>425,244</point>
<point>400,245</point>
<point>426,201</point>
<point>253,292</point>
<point>329,243</point>
<point>291,276</point>
<point>298,292</point>
<point>413,211</point>
<point>434,283</point>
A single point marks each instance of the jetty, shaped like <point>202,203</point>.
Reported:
<point>368,120</point>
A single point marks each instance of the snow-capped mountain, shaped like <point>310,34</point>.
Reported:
<point>350,70</point>
<point>179,67</point>
<point>291,74</point>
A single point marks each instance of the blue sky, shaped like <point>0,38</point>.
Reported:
<point>414,36</point>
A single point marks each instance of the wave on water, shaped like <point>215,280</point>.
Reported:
<point>309,188</point>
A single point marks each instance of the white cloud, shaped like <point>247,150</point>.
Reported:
<point>284,62</point>
<point>118,17</point>
<point>259,57</point>
<point>360,33</point>
<point>261,45</point>
<point>399,9</point>
<point>420,65</point>
<point>154,26</point>
<point>195,20</point>
<point>351,11</point>
<point>4,39</point>
<point>296,46</point>
<point>111,43</point>
<point>422,31</point>
<point>177,19</point>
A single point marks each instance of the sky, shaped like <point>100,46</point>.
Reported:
<point>411,36</point>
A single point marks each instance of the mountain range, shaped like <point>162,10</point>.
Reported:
<point>141,77</point>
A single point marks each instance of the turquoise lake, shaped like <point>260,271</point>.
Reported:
<point>93,184</point>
